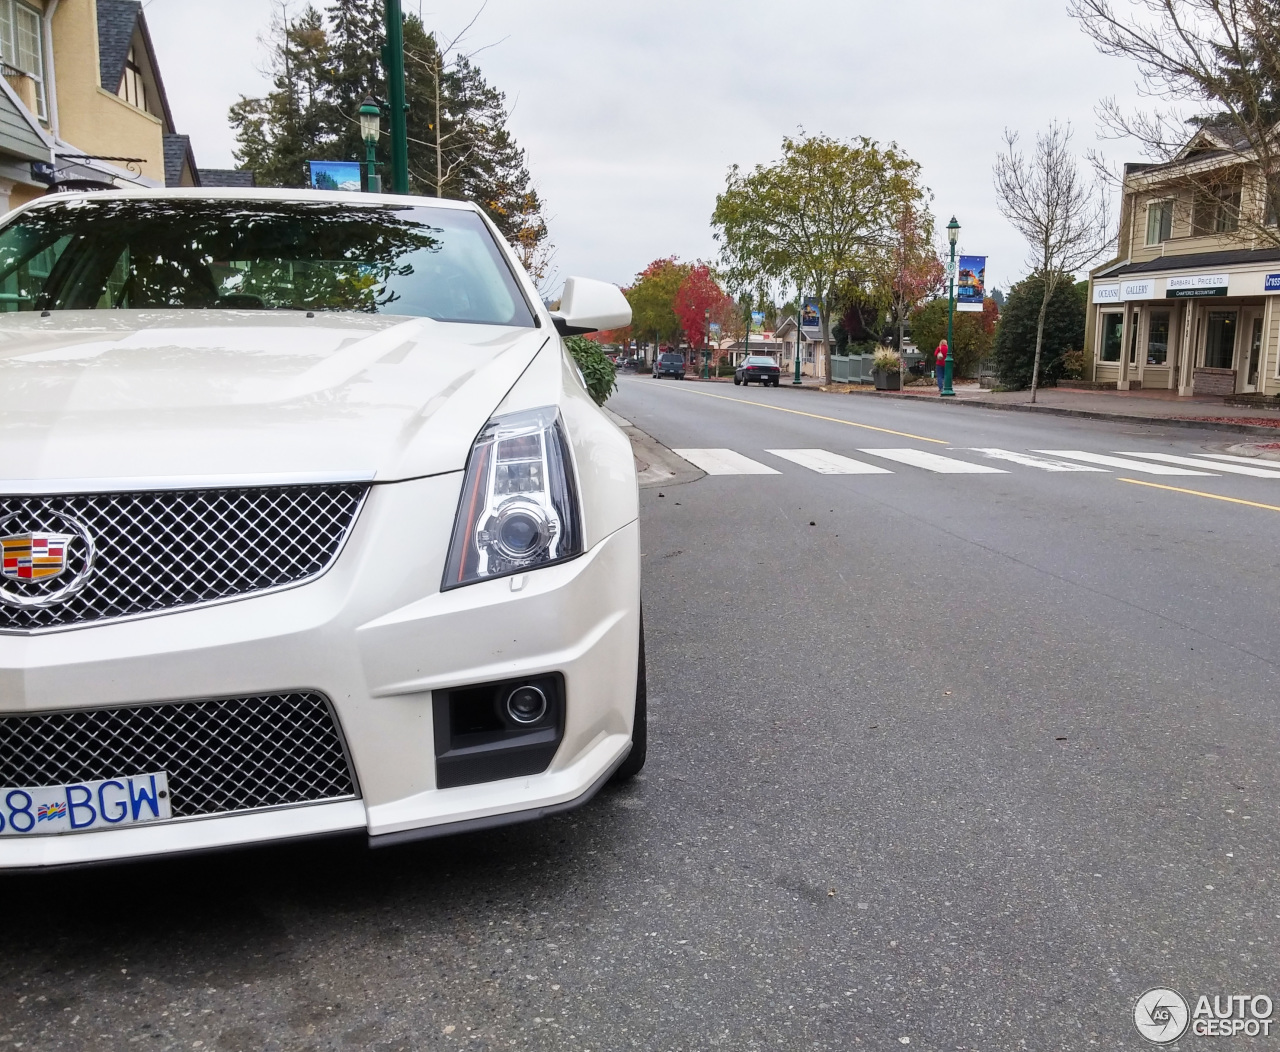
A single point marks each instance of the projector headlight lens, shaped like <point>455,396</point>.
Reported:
<point>519,508</point>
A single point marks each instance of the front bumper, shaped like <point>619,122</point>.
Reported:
<point>377,637</point>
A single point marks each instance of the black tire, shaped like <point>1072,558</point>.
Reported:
<point>634,763</point>
<point>737,382</point>
<point>776,381</point>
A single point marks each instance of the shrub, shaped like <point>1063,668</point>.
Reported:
<point>887,360</point>
<point>599,373</point>
<point>1015,346</point>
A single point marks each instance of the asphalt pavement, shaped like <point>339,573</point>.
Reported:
<point>940,757</point>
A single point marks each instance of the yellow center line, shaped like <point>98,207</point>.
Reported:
<point>1201,493</point>
<point>815,416</point>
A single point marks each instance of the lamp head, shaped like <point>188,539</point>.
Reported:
<point>370,118</point>
<point>953,231</point>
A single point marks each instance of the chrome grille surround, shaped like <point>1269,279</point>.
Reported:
<point>164,550</point>
<point>222,756</point>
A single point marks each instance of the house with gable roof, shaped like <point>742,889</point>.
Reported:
<point>1191,303</point>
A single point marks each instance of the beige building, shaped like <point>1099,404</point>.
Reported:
<point>1190,303</point>
<point>815,359</point>
<point>82,104</point>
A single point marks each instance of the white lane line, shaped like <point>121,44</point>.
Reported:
<point>724,462</point>
<point>918,458</point>
<point>1231,469</point>
<point>1251,461</point>
<point>1027,460</point>
<point>1119,462</point>
<point>827,463</point>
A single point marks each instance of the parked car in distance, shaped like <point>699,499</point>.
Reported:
<point>668,364</point>
<point>757,369</point>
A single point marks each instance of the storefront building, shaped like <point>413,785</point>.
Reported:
<point>1191,305</point>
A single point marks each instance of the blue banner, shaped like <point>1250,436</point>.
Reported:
<point>335,175</point>
<point>971,282</point>
<point>810,318</point>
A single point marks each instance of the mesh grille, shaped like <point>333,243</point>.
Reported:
<point>225,755</point>
<point>160,550</point>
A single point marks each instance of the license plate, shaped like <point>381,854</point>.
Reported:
<point>80,806</point>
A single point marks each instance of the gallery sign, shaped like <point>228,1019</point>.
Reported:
<point>1142,289</point>
<point>1109,293</point>
<point>1192,286</point>
<point>1272,283</point>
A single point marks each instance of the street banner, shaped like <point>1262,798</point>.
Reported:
<point>810,318</point>
<point>971,283</point>
<point>335,175</point>
<point>714,328</point>
<point>757,322</point>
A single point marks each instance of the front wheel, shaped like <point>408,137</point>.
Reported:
<point>737,382</point>
<point>634,763</point>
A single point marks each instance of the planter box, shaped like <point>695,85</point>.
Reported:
<point>1214,381</point>
<point>887,381</point>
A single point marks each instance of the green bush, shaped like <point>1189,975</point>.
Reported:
<point>1015,344</point>
<point>597,370</point>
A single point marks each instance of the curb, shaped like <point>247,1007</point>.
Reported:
<point>1087,414</point>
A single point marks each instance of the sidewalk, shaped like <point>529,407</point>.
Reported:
<point>1144,407</point>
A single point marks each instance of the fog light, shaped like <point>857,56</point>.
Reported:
<point>526,705</point>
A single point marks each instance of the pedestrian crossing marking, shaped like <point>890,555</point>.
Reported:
<point>1231,469</point>
<point>827,463</point>
<point>918,458</point>
<point>1027,460</point>
<point>1251,461</point>
<point>724,462</point>
<point>1120,462</point>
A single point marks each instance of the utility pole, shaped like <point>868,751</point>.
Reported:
<point>393,61</point>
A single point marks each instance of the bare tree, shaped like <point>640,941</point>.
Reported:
<point>1214,68</point>
<point>1063,216</point>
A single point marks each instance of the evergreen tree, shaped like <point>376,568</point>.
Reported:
<point>1015,344</point>
<point>324,65</point>
<point>278,134</point>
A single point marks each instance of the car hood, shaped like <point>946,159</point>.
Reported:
<point>137,397</point>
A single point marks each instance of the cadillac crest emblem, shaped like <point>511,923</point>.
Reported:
<point>34,556</point>
<point>32,561</point>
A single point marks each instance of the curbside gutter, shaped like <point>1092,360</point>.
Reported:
<point>1088,414</point>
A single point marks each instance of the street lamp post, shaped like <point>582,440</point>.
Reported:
<point>953,235</point>
<point>393,63</point>
<point>799,318</point>
<point>370,121</point>
<point>706,344</point>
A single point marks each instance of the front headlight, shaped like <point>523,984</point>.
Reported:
<point>519,508</point>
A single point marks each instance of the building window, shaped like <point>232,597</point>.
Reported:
<point>1133,339</point>
<point>132,87</point>
<point>1158,338</point>
<point>1216,210</point>
<point>20,47</point>
<point>1112,329</point>
<point>1273,200</point>
<point>1159,222</point>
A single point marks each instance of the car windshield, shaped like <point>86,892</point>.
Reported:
<point>185,253</point>
<point>672,358</point>
<point>761,361</point>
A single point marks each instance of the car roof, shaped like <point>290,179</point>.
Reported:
<point>257,193</point>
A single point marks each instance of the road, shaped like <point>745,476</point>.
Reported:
<point>950,759</point>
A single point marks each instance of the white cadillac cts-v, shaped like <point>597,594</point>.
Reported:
<point>308,524</point>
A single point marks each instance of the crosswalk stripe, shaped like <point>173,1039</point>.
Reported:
<point>1027,460</point>
<point>724,462</point>
<point>1119,462</point>
<point>827,463</point>
<point>1251,461</point>
<point>1231,469</point>
<point>918,458</point>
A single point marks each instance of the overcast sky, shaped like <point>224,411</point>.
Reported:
<point>632,111</point>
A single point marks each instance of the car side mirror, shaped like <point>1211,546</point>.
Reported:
<point>587,305</point>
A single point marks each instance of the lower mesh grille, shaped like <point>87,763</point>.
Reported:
<point>223,755</point>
